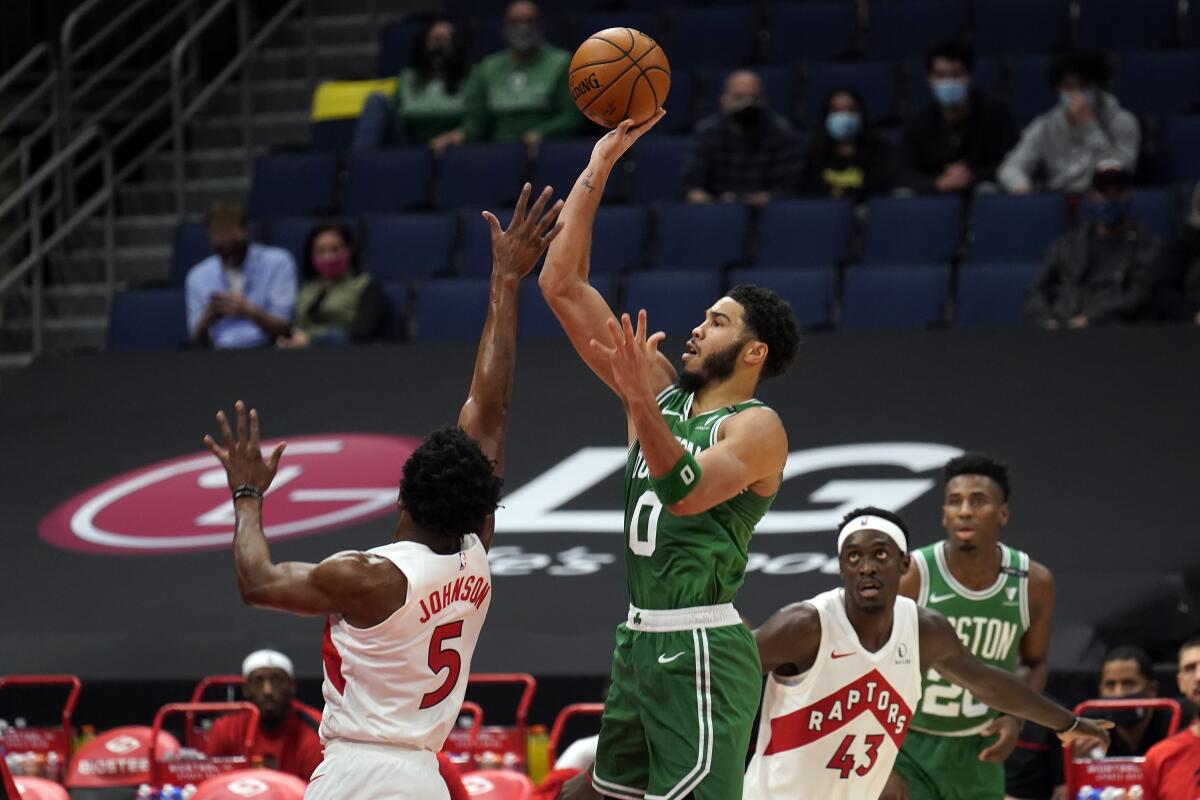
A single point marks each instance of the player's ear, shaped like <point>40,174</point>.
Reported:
<point>1003,515</point>
<point>755,352</point>
<point>905,563</point>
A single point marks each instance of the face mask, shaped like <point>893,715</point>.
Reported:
<point>234,253</point>
<point>1127,717</point>
<point>332,268</point>
<point>843,125</point>
<point>950,93</point>
<point>1089,97</point>
<point>1112,211</point>
<point>522,36</point>
<point>441,53</point>
<point>748,115</point>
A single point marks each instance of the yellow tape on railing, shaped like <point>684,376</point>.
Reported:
<point>344,99</point>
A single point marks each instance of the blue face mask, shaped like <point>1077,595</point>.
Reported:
<point>1112,211</point>
<point>1065,98</point>
<point>843,125</point>
<point>950,92</point>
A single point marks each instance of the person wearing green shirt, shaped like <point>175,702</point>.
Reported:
<point>430,96</point>
<point>519,94</point>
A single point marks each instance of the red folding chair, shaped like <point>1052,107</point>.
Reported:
<point>461,742</point>
<point>198,767</point>
<point>39,789</point>
<point>116,760</point>
<point>1120,772</point>
<point>260,784</point>
<point>46,749</point>
<point>495,784</point>
<point>197,737</point>
<point>497,745</point>
<point>6,781</point>
<point>560,722</point>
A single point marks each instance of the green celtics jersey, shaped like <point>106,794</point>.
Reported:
<point>990,623</point>
<point>680,562</point>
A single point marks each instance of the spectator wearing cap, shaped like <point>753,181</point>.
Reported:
<point>959,139</point>
<point>288,738</point>
<point>1128,674</point>
<point>1177,293</point>
<point>745,152</point>
<point>1102,270</point>
<point>1059,150</point>
<point>1172,767</point>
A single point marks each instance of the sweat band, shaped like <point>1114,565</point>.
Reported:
<point>679,482</point>
<point>872,523</point>
<point>267,659</point>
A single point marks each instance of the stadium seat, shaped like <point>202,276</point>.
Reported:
<point>1156,209</point>
<point>586,24</point>
<point>821,29</point>
<point>387,181</point>
<point>535,320</point>
<point>480,176</point>
<point>396,42</point>
<point>989,76</point>
<point>902,29</point>
<point>657,169</point>
<point>701,237</point>
<point>452,309</point>
<point>559,163</point>
<point>148,319</point>
<point>681,106</point>
<point>407,246</point>
<point>912,230</point>
<point>1015,227</point>
<point>1182,145</point>
<point>804,233</point>
<point>707,37</point>
<point>1159,83</point>
<point>779,82</point>
<point>1032,93</point>
<point>397,320</point>
<point>333,135</point>
<point>291,234</point>
<point>1019,26</point>
<point>1122,25</point>
<point>619,236</point>
<point>894,297</point>
<point>1191,28</point>
<point>993,294</point>
<point>293,185</point>
<point>876,81</point>
<point>810,291</point>
<point>674,301</point>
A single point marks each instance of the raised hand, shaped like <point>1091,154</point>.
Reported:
<point>633,356</point>
<point>516,250</point>
<point>613,144</point>
<point>242,455</point>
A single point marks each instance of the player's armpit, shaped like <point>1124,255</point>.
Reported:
<point>789,640</point>
<point>754,449</point>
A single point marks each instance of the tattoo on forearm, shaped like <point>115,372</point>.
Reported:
<point>586,182</point>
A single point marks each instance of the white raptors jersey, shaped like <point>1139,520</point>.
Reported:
<point>833,732</point>
<point>402,681</point>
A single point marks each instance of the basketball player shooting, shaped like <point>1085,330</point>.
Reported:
<point>845,675</point>
<point>402,620</point>
<point>705,464</point>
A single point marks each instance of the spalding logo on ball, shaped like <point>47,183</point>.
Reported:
<point>619,74</point>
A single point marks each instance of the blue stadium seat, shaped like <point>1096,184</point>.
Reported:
<point>148,319</point>
<point>1159,83</point>
<point>450,309</point>
<point>396,43</point>
<point>894,297</point>
<point>1019,26</point>
<point>1182,145</point>
<point>701,237</point>
<point>397,320</point>
<point>804,233</point>
<point>779,82</point>
<point>993,294</point>
<point>480,175</point>
<point>475,257</point>
<point>293,185</point>
<point>1122,25</point>
<point>1155,208</point>
<point>675,302</point>
<point>1032,94</point>
<point>559,163</point>
<point>407,246</point>
<point>912,230</point>
<point>535,320</point>
<point>989,76</point>
<point>333,135</point>
<point>586,24</point>
<point>680,105</point>
<point>619,238</point>
<point>707,37</point>
<point>821,29</point>
<point>657,169</point>
<point>810,291</point>
<point>291,233</point>
<point>1015,227</point>
<point>902,29</point>
<point>387,181</point>
<point>875,80</point>
<point>1191,28</point>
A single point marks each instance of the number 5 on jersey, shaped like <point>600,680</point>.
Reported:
<point>441,658</point>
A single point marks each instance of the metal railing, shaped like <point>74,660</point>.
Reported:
<point>45,94</point>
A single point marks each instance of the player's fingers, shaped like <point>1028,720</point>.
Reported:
<point>552,235</point>
<point>535,213</point>
<point>493,224</point>
<point>519,212</point>
<point>655,339</point>
<point>549,217</point>
<point>223,421</point>
<point>991,755</point>
<point>627,332</point>
<point>212,445</point>
<point>239,408</point>
<point>602,349</point>
<point>614,332</point>
<point>276,455</point>
<point>650,123</point>
<point>641,326</point>
<point>254,427</point>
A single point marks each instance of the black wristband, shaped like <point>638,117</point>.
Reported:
<point>246,490</point>
<point>1070,727</point>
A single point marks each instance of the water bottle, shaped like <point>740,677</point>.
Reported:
<point>1085,793</point>
<point>145,792</point>
<point>188,791</point>
<point>54,766</point>
<point>1136,792</point>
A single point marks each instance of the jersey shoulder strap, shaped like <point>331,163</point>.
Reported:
<point>730,411</point>
<point>921,564</point>
<point>1016,570</point>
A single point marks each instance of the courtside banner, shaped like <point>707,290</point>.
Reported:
<point>116,521</point>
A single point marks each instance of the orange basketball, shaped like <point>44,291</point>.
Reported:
<point>619,74</point>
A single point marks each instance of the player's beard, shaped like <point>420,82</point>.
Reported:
<point>717,367</point>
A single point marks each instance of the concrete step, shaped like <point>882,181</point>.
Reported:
<point>339,28</point>
<point>135,265</point>
<point>158,197</point>
<point>70,300</point>
<point>333,62</point>
<point>216,162</point>
<point>278,129</point>
<point>267,95</point>
<point>133,230</point>
<point>76,335</point>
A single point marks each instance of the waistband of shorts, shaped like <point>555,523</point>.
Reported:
<point>682,619</point>
<point>382,746</point>
<point>972,731</point>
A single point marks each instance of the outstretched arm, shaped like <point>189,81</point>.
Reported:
<point>514,252</point>
<point>788,642</point>
<point>581,309</point>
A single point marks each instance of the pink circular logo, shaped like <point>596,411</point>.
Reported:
<point>324,483</point>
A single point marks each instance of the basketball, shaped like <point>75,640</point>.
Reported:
<point>619,74</point>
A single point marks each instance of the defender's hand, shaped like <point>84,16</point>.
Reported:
<point>1006,729</point>
<point>1092,733</point>
<point>242,456</point>
<point>516,250</point>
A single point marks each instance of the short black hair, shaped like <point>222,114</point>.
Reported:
<point>979,464</point>
<point>307,271</point>
<point>771,320</point>
<point>1189,644</point>
<point>1128,652</point>
<point>882,513</point>
<point>952,50</point>
<point>449,486</point>
<point>1091,67</point>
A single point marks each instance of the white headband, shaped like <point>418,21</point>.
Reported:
<point>267,659</point>
<point>870,523</point>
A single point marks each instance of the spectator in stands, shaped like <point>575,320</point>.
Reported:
<point>1102,270</point>
<point>287,737</point>
<point>1177,290</point>
<point>430,94</point>
<point>520,94</point>
<point>745,152</point>
<point>959,139</point>
<point>336,303</point>
<point>1128,674</point>
<point>845,157</point>
<point>1059,150</point>
<point>1172,767</point>
<point>242,296</point>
